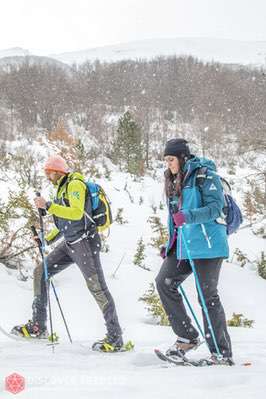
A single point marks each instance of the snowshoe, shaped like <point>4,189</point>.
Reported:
<point>215,360</point>
<point>182,346</point>
<point>30,330</point>
<point>175,360</point>
<point>112,344</point>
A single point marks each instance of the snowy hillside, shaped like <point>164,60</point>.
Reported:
<point>75,371</point>
<point>14,52</point>
<point>206,49</point>
<point>221,50</point>
<point>19,60</point>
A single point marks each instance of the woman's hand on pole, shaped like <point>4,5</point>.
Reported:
<point>179,218</point>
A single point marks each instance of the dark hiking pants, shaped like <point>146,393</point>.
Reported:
<point>171,275</point>
<point>85,254</point>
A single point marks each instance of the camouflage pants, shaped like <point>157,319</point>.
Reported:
<point>85,254</point>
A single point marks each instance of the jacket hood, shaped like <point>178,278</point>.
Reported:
<point>76,175</point>
<point>196,162</point>
<point>68,177</point>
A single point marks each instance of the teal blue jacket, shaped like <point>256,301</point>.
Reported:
<point>204,237</point>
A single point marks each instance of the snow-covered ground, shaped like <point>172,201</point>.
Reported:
<point>75,371</point>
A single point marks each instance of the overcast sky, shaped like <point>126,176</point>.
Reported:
<point>65,25</point>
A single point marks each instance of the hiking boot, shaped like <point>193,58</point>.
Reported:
<point>30,330</point>
<point>111,343</point>
<point>182,346</point>
<point>215,360</point>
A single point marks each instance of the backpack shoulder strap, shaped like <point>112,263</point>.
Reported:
<point>201,175</point>
<point>226,185</point>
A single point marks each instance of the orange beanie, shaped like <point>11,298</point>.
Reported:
<point>56,164</point>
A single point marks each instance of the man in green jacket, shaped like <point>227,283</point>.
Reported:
<point>81,244</point>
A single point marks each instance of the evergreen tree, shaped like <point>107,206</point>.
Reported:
<point>160,230</point>
<point>140,255</point>
<point>249,206</point>
<point>120,217</point>
<point>154,306</point>
<point>127,146</point>
<point>238,320</point>
<point>261,263</point>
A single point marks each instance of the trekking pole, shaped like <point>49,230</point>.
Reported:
<point>61,311</point>
<point>42,212</point>
<point>182,291</point>
<point>204,306</point>
<point>114,273</point>
<point>35,234</point>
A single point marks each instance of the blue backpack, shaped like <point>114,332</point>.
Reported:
<point>232,214</point>
<point>101,208</point>
<point>101,205</point>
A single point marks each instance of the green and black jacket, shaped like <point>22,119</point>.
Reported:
<point>68,208</point>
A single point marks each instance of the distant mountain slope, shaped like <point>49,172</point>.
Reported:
<point>32,59</point>
<point>14,51</point>
<point>221,50</point>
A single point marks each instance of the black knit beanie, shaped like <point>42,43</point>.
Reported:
<point>177,148</point>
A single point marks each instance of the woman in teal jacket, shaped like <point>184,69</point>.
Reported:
<point>195,203</point>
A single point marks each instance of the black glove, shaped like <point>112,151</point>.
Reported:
<point>163,252</point>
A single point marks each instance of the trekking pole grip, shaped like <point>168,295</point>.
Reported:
<point>42,212</point>
<point>34,231</point>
